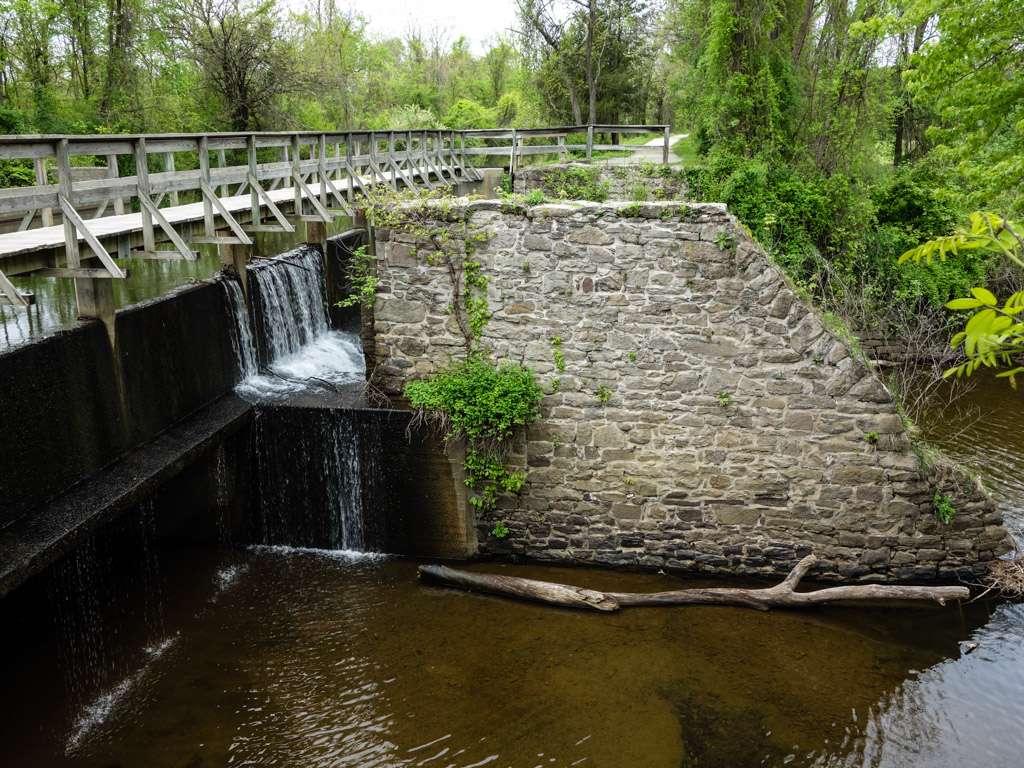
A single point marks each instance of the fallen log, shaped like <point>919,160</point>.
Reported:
<point>782,595</point>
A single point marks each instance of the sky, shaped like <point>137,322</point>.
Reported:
<point>478,20</point>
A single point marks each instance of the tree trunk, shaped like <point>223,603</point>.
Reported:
<point>783,595</point>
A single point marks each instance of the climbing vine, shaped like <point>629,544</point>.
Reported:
<point>476,400</point>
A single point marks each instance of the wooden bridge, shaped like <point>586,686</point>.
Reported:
<point>160,211</point>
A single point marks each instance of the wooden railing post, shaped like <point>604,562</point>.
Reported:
<point>169,167</point>
<point>296,174</point>
<point>222,162</point>
<point>321,160</point>
<point>66,190</point>
<point>254,196</point>
<point>204,173</point>
<point>590,142</point>
<point>665,148</point>
<point>142,181</point>
<point>112,173</point>
<point>41,180</point>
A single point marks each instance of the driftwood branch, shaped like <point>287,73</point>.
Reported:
<point>782,595</point>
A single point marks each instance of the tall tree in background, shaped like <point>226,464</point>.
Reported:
<point>242,53</point>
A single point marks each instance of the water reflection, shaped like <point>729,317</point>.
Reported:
<point>55,307</point>
<point>311,658</point>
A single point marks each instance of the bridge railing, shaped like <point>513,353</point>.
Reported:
<point>238,182</point>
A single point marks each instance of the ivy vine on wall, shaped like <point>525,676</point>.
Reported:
<point>478,400</point>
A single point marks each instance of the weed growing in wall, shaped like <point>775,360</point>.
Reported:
<point>484,404</point>
<point>944,509</point>
<point>576,183</point>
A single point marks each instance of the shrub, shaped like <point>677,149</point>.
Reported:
<point>484,404</point>
<point>576,183</point>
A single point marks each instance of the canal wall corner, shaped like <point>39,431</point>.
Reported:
<point>703,417</point>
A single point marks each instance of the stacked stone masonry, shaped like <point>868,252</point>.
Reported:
<point>619,182</point>
<point>735,438</point>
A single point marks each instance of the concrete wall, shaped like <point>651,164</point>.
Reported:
<point>622,182</point>
<point>71,404</point>
<point>733,436</point>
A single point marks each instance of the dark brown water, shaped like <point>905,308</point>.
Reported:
<point>187,657</point>
<point>276,657</point>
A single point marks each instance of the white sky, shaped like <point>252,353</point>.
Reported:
<point>478,20</point>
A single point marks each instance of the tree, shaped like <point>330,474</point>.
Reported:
<point>993,336</point>
<point>970,72</point>
<point>244,57</point>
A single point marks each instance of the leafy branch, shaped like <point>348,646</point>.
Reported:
<point>993,336</point>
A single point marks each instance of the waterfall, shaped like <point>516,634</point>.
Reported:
<point>312,482</point>
<point>293,337</point>
<point>289,294</point>
<point>241,330</point>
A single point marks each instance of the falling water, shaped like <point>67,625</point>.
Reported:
<point>291,302</point>
<point>293,338</point>
<point>311,481</point>
<point>241,330</point>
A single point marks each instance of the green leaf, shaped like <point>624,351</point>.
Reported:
<point>985,296</point>
<point>963,304</point>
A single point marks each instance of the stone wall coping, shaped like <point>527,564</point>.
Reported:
<point>465,206</point>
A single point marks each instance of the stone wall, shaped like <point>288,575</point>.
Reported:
<point>705,418</point>
<point>622,182</point>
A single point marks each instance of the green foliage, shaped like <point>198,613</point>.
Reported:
<point>993,336</point>
<point>535,197</point>
<point>724,398</point>
<point>575,183</point>
<point>558,354</point>
<point>604,394</point>
<point>943,505</point>
<point>483,404</point>
<point>466,113</point>
<point>500,530</point>
<point>871,438</point>
<point>631,356</point>
<point>362,278</point>
<point>972,78</point>
<point>631,211</point>
<point>639,193</point>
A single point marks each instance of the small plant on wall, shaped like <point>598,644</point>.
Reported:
<point>362,278</point>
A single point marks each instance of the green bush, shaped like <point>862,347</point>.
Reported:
<point>466,113</point>
<point>576,183</point>
<point>484,404</point>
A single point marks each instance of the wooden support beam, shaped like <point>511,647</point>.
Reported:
<point>149,250</point>
<point>9,294</point>
<point>81,228</point>
<point>261,194</point>
<point>302,189</point>
<point>233,225</point>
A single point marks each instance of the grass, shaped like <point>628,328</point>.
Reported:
<point>686,150</point>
